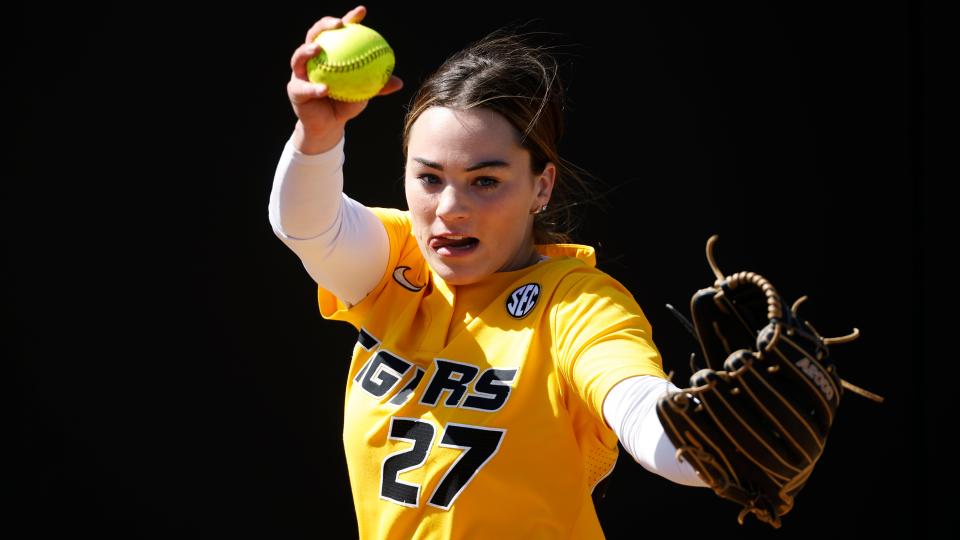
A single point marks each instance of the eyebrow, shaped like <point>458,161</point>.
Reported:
<point>481,165</point>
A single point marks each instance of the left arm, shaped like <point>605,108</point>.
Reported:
<point>630,409</point>
<point>605,351</point>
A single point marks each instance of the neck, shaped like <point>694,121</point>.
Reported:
<point>530,259</point>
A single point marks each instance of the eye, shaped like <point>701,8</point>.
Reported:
<point>428,179</point>
<point>487,182</point>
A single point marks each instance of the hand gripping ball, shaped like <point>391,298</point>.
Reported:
<point>355,62</point>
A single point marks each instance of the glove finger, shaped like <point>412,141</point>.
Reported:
<point>698,441</point>
<point>728,318</point>
<point>718,460</point>
<point>746,425</point>
<point>791,424</point>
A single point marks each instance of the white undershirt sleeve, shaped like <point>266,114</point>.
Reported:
<point>630,409</point>
<point>341,243</point>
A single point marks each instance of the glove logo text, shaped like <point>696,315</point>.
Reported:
<point>817,376</point>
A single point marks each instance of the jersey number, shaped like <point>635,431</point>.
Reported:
<point>479,445</point>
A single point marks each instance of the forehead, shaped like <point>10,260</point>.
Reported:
<point>447,135</point>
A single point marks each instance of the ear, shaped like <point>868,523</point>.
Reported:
<point>544,184</point>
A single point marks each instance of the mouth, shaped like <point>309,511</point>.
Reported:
<point>453,245</point>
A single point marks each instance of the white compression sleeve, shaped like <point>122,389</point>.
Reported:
<point>342,244</point>
<point>630,409</point>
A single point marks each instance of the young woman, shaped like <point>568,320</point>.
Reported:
<point>496,367</point>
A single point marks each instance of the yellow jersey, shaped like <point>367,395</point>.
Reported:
<point>476,411</point>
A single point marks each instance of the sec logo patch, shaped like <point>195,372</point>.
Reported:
<point>522,299</point>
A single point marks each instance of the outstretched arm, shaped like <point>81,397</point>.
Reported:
<point>606,351</point>
<point>630,409</point>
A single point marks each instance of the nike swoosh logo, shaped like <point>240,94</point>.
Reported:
<point>402,279</point>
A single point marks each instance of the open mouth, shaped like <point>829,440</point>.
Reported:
<point>454,246</point>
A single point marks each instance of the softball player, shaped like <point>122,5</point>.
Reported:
<point>496,368</point>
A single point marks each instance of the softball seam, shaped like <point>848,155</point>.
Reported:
<point>356,63</point>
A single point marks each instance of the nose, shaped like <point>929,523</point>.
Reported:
<point>452,204</point>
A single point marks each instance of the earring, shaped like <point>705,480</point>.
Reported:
<point>542,209</point>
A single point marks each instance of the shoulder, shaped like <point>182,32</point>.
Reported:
<point>589,284</point>
<point>393,218</point>
<point>587,297</point>
<point>575,279</point>
<point>399,229</point>
<point>577,288</point>
<point>600,333</point>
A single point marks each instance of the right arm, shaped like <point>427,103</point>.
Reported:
<point>342,244</point>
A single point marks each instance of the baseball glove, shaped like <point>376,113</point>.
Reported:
<point>754,422</point>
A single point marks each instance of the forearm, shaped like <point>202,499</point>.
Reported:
<point>306,195</point>
<point>630,409</point>
<point>342,244</point>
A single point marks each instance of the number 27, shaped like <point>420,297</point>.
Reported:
<point>480,444</point>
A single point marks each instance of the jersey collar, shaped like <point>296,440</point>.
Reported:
<point>578,251</point>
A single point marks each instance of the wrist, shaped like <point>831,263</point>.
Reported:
<point>316,143</point>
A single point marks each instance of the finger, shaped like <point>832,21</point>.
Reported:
<point>326,23</point>
<point>395,83</point>
<point>298,62</point>
<point>356,14</point>
<point>301,91</point>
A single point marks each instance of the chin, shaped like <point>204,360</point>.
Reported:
<point>454,276</point>
<point>459,278</point>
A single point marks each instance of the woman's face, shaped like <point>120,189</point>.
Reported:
<point>470,191</point>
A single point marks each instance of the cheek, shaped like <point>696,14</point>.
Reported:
<point>509,208</point>
<point>504,219</point>
<point>417,201</point>
<point>422,210</point>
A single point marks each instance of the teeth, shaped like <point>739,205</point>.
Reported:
<point>455,236</point>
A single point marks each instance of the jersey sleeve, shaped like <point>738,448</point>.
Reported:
<point>397,224</point>
<point>601,337</point>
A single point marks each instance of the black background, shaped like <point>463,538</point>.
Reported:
<point>173,377</point>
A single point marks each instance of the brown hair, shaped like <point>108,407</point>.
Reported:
<point>504,73</point>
